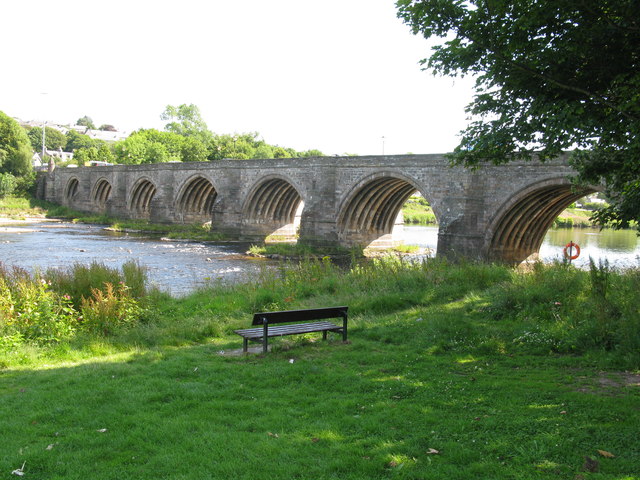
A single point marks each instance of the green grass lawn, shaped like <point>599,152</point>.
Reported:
<point>450,371</point>
<point>379,407</point>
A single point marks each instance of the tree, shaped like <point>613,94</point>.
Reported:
<point>186,120</point>
<point>53,139</point>
<point>86,122</point>
<point>15,148</point>
<point>551,75</point>
<point>77,140</point>
<point>108,128</point>
<point>154,146</point>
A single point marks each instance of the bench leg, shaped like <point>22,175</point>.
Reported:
<point>344,328</point>
<point>244,345</point>
<point>265,334</point>
<point>324,334</point>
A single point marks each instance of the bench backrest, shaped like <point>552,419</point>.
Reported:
<point>300,315</point>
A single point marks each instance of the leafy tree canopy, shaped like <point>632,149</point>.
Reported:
<point>86,122</point>
<point>76,140</point>
<point>186,120</point>
<point>15,148</point>
<point>108,128</point>
<point>154,146</point>
<point>53,139</point>
<point>551,75</point>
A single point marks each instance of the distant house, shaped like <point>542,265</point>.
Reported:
<point>106,135</point>
<point>63,156</point>
<point>36,161</point>
<point>38,164</point>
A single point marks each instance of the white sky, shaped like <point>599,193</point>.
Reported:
<point>336,75</point>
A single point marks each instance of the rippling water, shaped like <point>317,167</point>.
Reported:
<point>179,266</point>
<point>174,266</point>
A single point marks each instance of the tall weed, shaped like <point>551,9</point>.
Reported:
<point>42,309</point>
<point>110,309</point>
<point>81,280</point>
<point>30,311</point>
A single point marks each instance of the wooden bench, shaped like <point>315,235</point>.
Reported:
<point>288,317</point>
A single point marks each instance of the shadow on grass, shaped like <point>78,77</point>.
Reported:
<point>318,410</point>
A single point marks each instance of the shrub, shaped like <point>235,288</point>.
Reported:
<point>81,280</point>
<point>7,184</point>
<point>44,309</point>
<point>31,311</point>
<point>110,309</point>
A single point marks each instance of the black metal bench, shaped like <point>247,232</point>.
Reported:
<point>288,317</point>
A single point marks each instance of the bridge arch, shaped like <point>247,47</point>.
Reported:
<point>101,193</point>
<point>520,225</point>
<point>195,200</point>
<point>71,189</point>
<point>142,193</point>
<point>273,209</point>
<point>371,211</point>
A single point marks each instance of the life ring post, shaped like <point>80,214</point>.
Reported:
<point>568,251</point>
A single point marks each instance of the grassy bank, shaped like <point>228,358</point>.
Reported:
<point>418,211</point>
<point>21,208</point>
<point>451,371</point>
<point>575,217</point>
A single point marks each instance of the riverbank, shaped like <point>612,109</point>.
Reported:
<point>450,371</point>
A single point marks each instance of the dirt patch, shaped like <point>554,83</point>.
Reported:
<point>609,383</point>
<point>238,352</point>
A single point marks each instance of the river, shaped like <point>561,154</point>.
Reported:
<point>178,267</point>
<point>621,248</point>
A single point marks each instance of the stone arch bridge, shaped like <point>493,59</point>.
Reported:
<point>494,213</point>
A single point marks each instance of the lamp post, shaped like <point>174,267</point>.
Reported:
<point>383,145</point>
<point>44,128</point>
<point>44,125</point>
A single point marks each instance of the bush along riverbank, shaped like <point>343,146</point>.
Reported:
<point>450,371</point>
<point>22,208</point>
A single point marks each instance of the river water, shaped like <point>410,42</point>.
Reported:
<point>179,267</point>
<point>621,248</point>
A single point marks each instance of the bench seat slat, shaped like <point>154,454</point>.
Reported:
<point>280,330</point>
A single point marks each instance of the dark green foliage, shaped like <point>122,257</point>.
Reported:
<point>86,122</point>
<point>76,140</point>
<point>15,148</point>
<point>54,139</point>
<point>551,76</point>
<point>7,184</point>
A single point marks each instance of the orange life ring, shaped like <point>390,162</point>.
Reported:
<point>569,247</point>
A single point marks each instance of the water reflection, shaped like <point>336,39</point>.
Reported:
<point>620,247</point>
